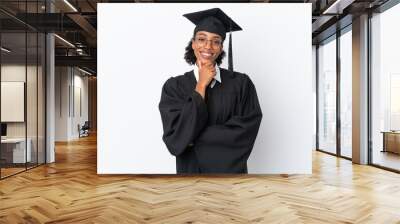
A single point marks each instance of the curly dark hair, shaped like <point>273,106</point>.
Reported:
<point>191,59</point>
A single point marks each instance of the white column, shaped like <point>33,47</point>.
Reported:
<point>50,110</point>
<point>50,93</point>
<point>360,90</point>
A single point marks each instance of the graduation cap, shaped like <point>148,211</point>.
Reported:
<point>215,21</point>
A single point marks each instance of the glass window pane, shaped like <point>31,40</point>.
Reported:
<point>41,98</point>
<point>32,95</point>
<point>386,88</point>
<point>346,93</point>
<point>13,86</point>
<point>23,89</point>
<point>327,97</point>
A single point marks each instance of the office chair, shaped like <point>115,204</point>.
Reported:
<point>84,130</point>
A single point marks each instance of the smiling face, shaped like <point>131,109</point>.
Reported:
<point>207,46</point>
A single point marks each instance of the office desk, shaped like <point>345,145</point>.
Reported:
<point>391,141</point>
<point>15,148</point>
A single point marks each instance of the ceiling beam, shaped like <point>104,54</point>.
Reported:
<point>85,61</point>
<point>337,6</point>
<point>86,26</point>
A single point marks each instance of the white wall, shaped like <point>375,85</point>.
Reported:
<point>79,117</point>
<point>17,73</point>
<point>68,81</point>
<point>61,103</point>
<point>133,63</point>
<point>33,127</point>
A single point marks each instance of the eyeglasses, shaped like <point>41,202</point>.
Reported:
<point>202,41</point>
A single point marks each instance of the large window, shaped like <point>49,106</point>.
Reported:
<point>385,90</point>
<point>327,96</point>
<point>335,61</point>
<point>346,93</point>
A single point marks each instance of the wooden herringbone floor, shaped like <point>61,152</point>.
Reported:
<point>70,191</point>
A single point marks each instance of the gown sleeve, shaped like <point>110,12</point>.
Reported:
<point>225,148</point>
<point>183,116</point>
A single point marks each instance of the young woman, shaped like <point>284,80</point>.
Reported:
<point>210,115</point>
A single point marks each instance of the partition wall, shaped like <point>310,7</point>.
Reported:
<point>23,85</point>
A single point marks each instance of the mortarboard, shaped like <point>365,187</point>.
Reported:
<point>215,21</point>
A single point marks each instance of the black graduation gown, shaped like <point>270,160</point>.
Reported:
<point>215,134</point>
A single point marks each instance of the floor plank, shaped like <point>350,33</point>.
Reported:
<point>70,191</point>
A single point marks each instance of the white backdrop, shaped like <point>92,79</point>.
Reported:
<point>141,45</point>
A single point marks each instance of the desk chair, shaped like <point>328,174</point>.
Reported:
<point>84,130</point>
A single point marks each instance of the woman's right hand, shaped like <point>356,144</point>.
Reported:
<point>206,75</point>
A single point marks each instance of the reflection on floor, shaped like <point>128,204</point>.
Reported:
<point>386,159</point>
<point>11,169</point>
<point>347,152</point>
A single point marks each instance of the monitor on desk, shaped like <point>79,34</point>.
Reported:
<point>3,130</point>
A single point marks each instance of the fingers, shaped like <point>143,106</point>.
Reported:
<point>212,69</point>
<point>207,72</point>
<point>207,66</point>
<point>200,64</point>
